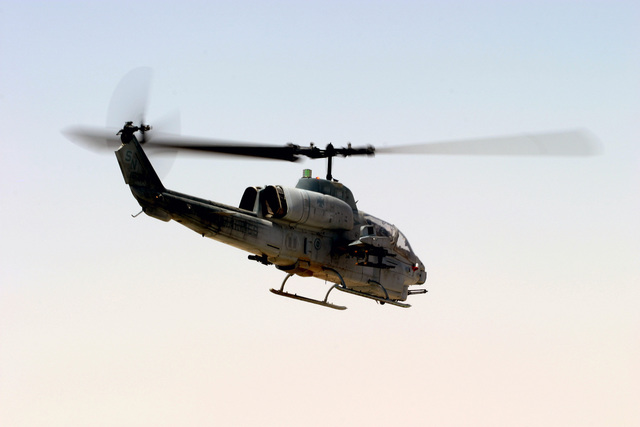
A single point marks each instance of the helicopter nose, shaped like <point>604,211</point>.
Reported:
<point>423,274</point>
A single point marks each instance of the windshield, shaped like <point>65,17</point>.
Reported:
<point>383,228</point>
<point>403,244</point>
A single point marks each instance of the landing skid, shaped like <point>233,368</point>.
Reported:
<point>305,299</point>
<point>341,287</point>
<point>373,297</point>
<point>323,303</point>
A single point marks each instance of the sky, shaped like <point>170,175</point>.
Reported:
<point>534,263</point>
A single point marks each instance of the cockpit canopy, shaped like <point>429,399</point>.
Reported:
<point>397,240</point>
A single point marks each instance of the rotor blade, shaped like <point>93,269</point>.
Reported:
<point>101,140</point>
<point>105,140</point>
<point>163,158</point>
<point>215,146</point>
<point>95,139</point>
<point>130,98</point>
<point>566,143</point>
<point>169,123</point>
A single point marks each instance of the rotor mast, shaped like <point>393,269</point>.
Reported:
<point>330,152</point>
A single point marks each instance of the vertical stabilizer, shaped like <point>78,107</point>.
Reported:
<point>136,167</point>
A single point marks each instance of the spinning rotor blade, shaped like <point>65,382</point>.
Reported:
<point>573,143</point>
<point>103,140</point>
<point>289,152</point>
<point>130,98</point>
<point>129,103</point>
<point>567,143</point>
<point>214,146</point>
<point>95,139</point>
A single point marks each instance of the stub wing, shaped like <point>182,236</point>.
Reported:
<point>371,251</point>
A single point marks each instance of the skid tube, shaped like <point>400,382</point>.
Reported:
<point>381,300</point>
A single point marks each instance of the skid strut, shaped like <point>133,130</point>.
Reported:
<point>324,302</point>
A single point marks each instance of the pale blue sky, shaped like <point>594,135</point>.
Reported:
<point>531,317</point>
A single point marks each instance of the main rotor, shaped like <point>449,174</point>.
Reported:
<point>130,100</point>
<point>330,152</point>
<point>289,152</point>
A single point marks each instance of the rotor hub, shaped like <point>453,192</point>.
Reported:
<point>129,129</point>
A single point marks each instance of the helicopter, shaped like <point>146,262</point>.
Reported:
<point>314,229</point>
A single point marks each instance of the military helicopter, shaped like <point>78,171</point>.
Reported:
<point>314,229</point>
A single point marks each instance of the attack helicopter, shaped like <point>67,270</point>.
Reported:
<point>314,229</point>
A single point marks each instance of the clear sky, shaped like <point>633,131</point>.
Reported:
<point>534,264</point>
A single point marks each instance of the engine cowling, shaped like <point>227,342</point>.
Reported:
<point>308,208</point>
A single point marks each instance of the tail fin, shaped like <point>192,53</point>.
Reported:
<point>136,167</point>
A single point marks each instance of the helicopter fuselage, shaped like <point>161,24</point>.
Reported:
<point>314,229</point>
